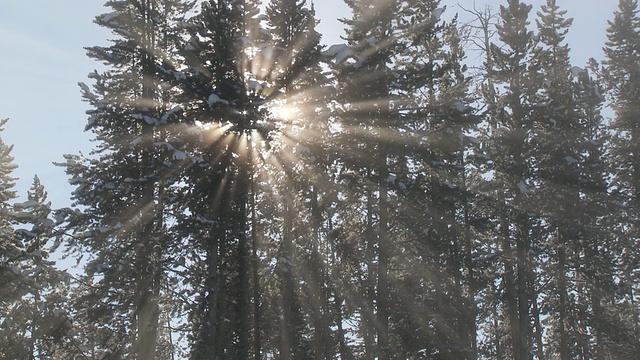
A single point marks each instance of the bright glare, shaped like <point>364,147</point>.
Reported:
<point>284,112</point>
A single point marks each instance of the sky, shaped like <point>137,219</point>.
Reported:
<point>42,59</point>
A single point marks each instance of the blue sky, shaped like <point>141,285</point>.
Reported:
<point>42,59</point>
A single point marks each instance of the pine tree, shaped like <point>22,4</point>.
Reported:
<point>8,242</point>
<point>435,186</point>
<point>220,92</point>
<point>364,63</point>
<point>43,306</point>
<point>510,152</point>
<point>13,340</point>
<point>237,71</point>
<point>294,64</point>
<point>622,78</point>
<point>121,187</point>
<point>33,318</point>
<point>558,152</point>
<point>599,247</point>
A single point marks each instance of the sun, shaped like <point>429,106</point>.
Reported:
<point>283,111</point>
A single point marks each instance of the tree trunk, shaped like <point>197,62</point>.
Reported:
<point>257,314</point>
<point>539,330</point>
<point>510,288</point>
<point>222,338</point>
<point>243,257</point>
<point>287,328</point>
<point>598,314</point>
<point>368,319</point>
<point>209,340</point>
<point>468,265</point>
<point>562,310</point>
<point>317,284</point>
<point>523,298</point>
<point>343,348</point>
<point>35,314</point>
<point>383,264</point>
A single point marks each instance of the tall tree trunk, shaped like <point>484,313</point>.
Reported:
<point>584,340</point>
<point>342,343</point>
<point>523,296</point>
<point>223,338</point>
<point>35,315</point>
<point>497,340</point>
<point>510,288</point>
<point>635,150</point>
<point>317,284</point>
<point>460,339</point>
<point>468,265</point>
<point>562,309</point>
<point>210,335</point>
<point>148,321</point>
<point>215,337</point>
<point>257,313</point>
<point>147,307</point>
<point>539,329</point>
<point>287,327</point>
<point>367,307</point>
<point>244,312</point>
<point>383,266</point>
<point>598,314</point>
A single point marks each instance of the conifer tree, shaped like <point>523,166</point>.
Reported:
<point>13,340</point>
<point>363,63</point>
<point>8,241</point>
<point>121,187</point>
<point>432,81</point>
<point>43,306</point>
<point>596,248</point>
<point>295,41</point>
<point>33,318</point>
<point>622,78</point>
<point>598,243</point>
<point>222,94</point>
<point>558,152</point>
<point>511,154</point>
<point>237,71</point>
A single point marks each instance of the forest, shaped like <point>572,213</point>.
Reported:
<point>253,194</point>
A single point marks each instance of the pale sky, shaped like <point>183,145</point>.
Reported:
<point>42,59</point>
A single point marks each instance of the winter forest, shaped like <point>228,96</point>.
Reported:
<point>252,194</point>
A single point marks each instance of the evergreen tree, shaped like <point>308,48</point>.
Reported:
<point>33,319</point>
<point>237,72</point>
<point>597,249</point>
<point>510,150</point>
<point>622,78</point>
<point>440,122</point>
<point>364,62</point>
<point>8,241</point>
<point>558,152</point>
<point>12,280</point>
<point>121,188</point>
<point>41,312</point>
<point>295,67</point>
<point>598,246</point>
<point>221,93</point>
<point>414,105</point>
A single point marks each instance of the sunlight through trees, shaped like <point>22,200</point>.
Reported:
<point>252,194</point>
